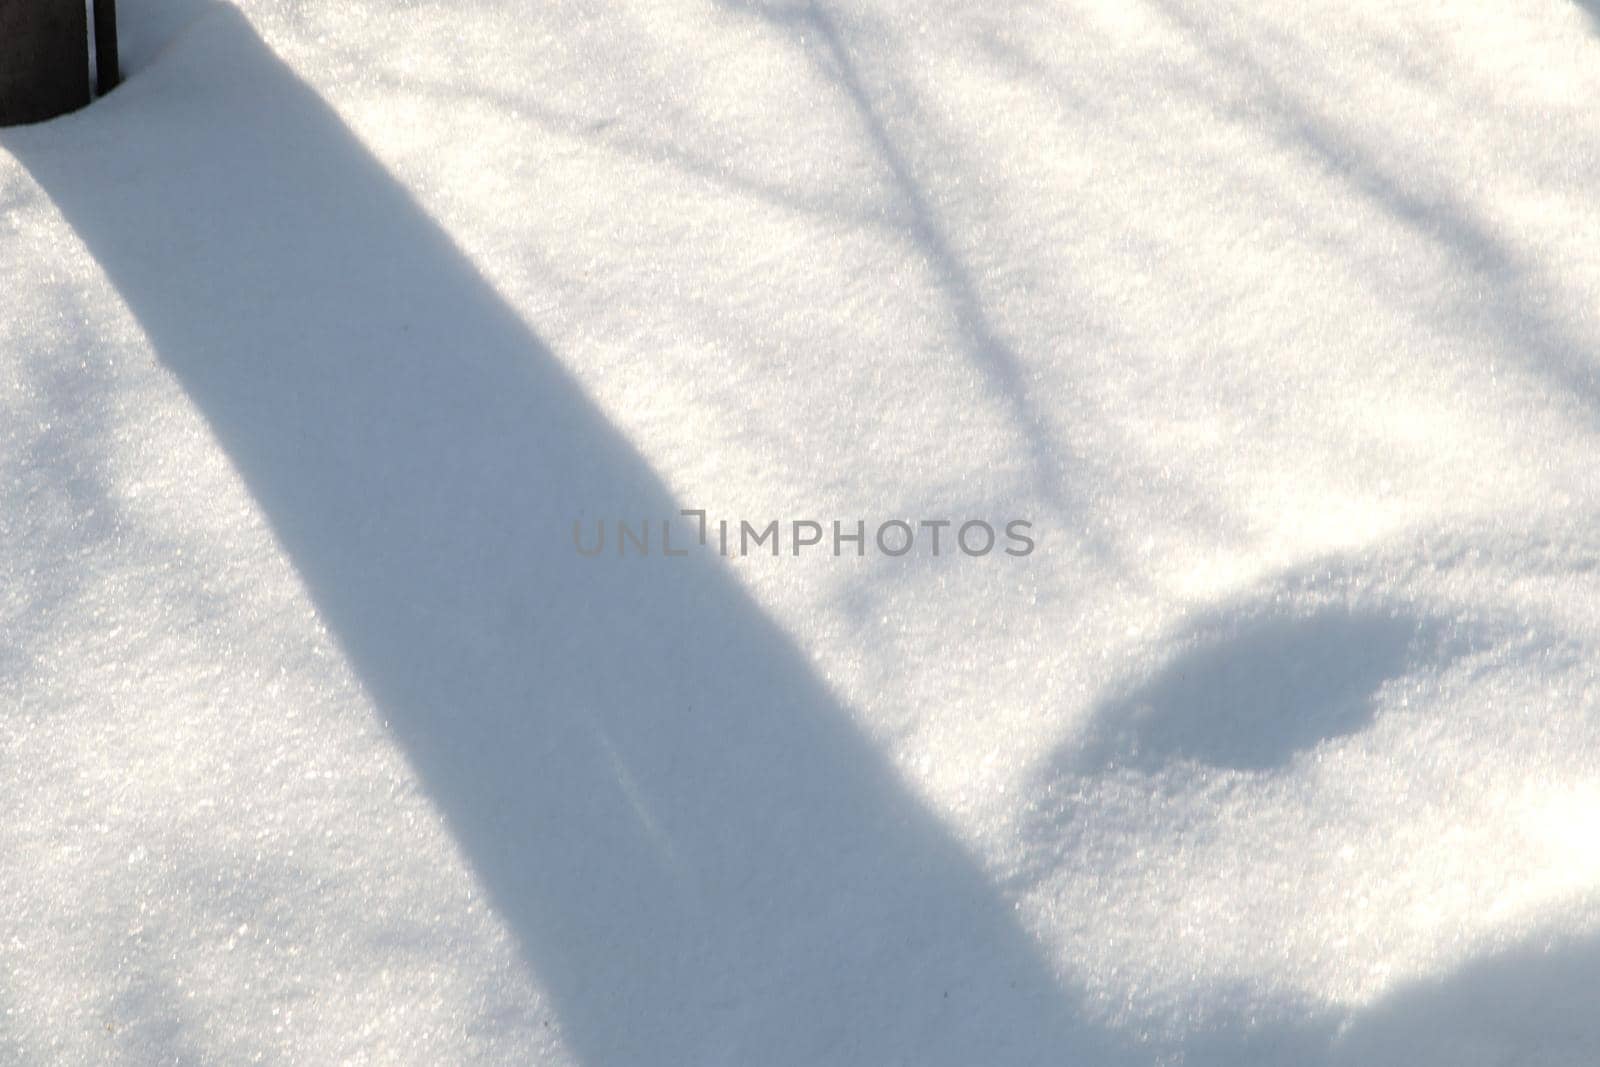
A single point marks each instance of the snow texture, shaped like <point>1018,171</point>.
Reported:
<point>321,743</point>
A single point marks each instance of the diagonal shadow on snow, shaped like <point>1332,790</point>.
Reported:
<point>703,859</point>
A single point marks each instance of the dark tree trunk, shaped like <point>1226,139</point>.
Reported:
<point>107,73</point>
<point>44,59</point>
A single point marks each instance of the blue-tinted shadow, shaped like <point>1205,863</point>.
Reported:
<point>1251,695</point>
<point>703,859</point>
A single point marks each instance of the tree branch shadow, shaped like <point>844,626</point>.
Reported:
<point>1509,301</point>
<point>817,31</point>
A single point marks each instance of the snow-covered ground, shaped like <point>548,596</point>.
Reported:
<point>1280,323</point>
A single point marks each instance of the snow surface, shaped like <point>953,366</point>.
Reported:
<point>321,744</point>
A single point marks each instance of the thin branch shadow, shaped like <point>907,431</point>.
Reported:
<point>606,135</point>
<point>986,349</point>
<point>703,859</point>
<point>1508,304</point>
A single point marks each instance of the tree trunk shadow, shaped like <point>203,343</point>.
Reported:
<point>703,859</point>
